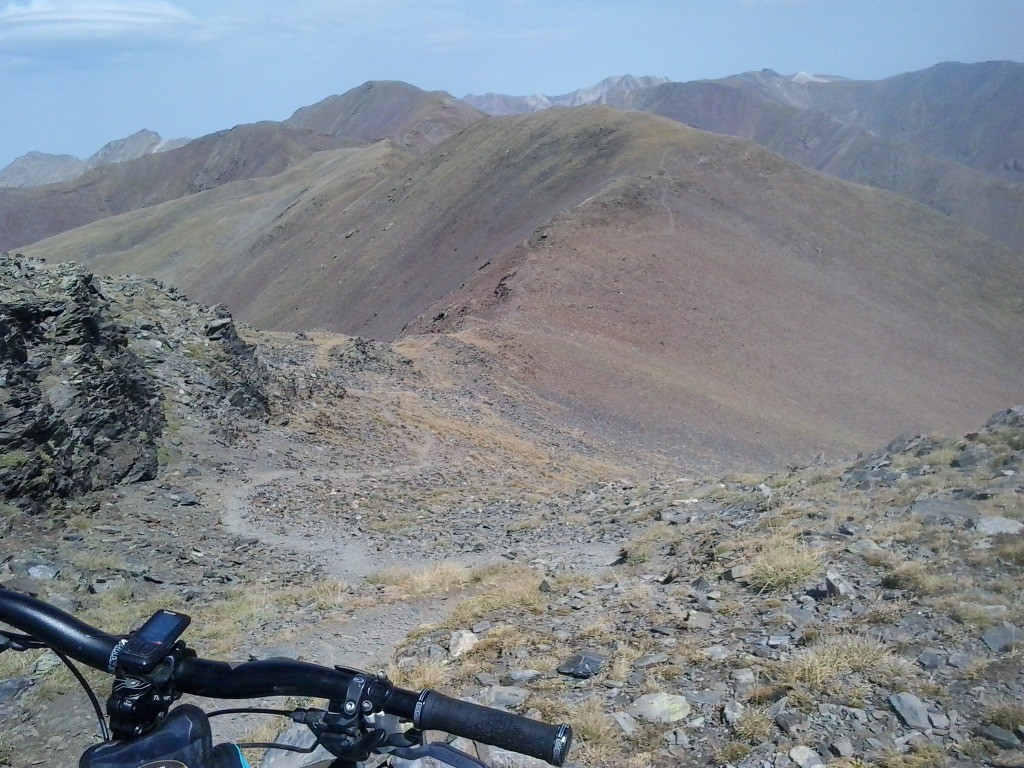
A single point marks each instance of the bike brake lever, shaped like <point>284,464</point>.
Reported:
<point>19,642</point>
<point>444,753</point>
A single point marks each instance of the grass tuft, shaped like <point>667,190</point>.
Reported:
<point>755,725</point>
<point>916,577</point>
<point>821,665</point>
<point>422,674</point>
<point>925,756</point>
<point>782,564</point>
<point>437,577</point>
<point>1008,716</point>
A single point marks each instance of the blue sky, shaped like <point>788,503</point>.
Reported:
<point>75,74</point>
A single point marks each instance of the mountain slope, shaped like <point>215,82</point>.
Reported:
<point>410,117</point>
<point>817,140</point>
<point>971,114</point>
<point>247,151</point>
<point>658,284</point>
<point>36,168</point>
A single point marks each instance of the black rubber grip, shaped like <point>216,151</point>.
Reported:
<point>437,712</point>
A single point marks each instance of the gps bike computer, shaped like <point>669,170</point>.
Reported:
<point>147,646</point>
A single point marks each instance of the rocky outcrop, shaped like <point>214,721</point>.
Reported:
<point>89,367</point>
<point>79,410</point>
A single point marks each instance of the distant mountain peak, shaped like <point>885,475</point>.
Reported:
<point>34,168</point>
<point>387,109</point>
<point>603,92</point>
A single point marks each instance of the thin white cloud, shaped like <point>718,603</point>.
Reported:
<point>44,22</point>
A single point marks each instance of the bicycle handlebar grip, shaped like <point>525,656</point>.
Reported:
<point>435,711</point>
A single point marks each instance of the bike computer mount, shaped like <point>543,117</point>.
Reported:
<point>143,649</point>
<point>143,690</point>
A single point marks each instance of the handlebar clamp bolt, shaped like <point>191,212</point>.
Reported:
<point>350,707</point>
<point>367,705</point>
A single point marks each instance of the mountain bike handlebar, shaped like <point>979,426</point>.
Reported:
<point>426,709</point>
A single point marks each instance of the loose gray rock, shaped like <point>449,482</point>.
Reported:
<point>650,660</point>
<point>699,620</point>
<point>42,572</point>
<point>788,722</point>
<point>994,525</point>
<point>911,710</point>
<point>661,708</point>
<point>11,689</point>
<point>462,642</point>
<point>836,586</point>
<point>805,757</point>
<point>932,659</point>
<point>626,722</point>
<point>582,665</point>
<point>842,747</point>
<point>738,572</point>
<point>944,511</point>
<point>999,736</point>
<point>732,712</point>
<point>1013,759</point>
<point>1003,639</point>
<point>960,660</point>
<point>507,696</point>
<point>517,676</point>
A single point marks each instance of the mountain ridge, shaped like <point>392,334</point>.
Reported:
<point>817,140</point>
<point>949,136</point>
<point>661,260</point>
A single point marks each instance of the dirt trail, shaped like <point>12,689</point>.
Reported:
<point>368,638</point>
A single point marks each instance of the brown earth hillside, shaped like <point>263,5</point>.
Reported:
<point>666,286</point>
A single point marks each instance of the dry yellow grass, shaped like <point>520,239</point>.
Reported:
<point>437,577</point>
<point>523,595</point>
<point>1008,715</point>
<point>926,756</point>
<point>329,594</point>
<point>820,666</point>
<point>782,563</point>
<point>755,725</point>
<point>1010,549</point>
<point>622,661</point>
<point>731,752</point>
<point>422,674</point>
<point>922,579</point>
<point>598,740</point>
